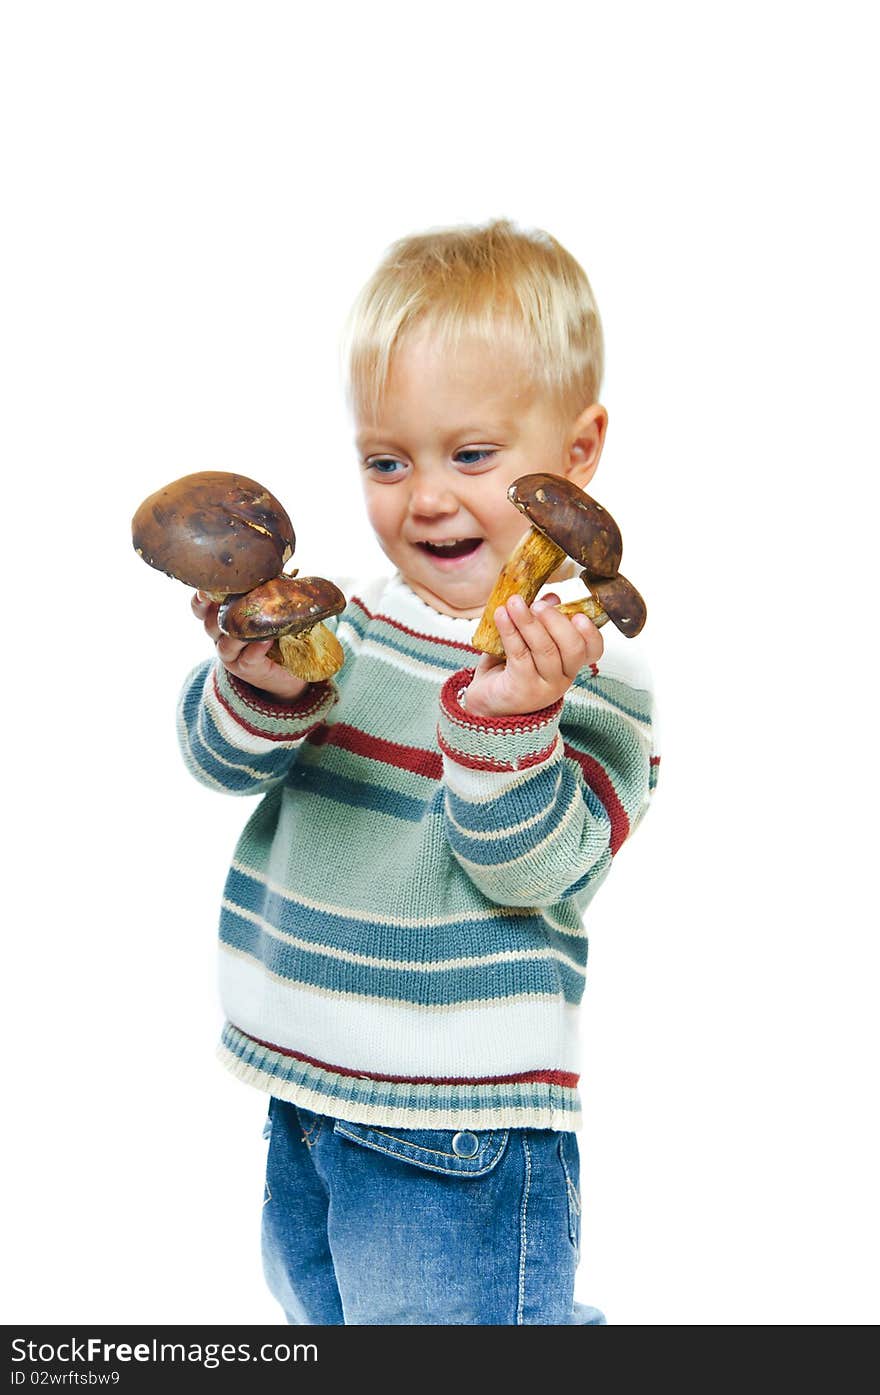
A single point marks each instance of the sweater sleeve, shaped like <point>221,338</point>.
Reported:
<point>234,738</point>
<point>536,806</point>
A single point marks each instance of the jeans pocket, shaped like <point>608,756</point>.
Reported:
<point>455,1152</point>
<point>568,1156</point>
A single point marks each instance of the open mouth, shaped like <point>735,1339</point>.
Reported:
<point>460,547</point>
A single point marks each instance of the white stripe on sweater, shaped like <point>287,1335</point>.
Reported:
<point>349,636</point>
<point>383,653</point>
<point>394,1038</point>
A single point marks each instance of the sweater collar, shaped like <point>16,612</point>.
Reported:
<point>416,614</point>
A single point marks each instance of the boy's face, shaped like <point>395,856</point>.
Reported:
<point>451,435</point>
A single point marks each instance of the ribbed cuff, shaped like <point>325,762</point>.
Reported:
<point>271,718</point>
<point>493,743</point>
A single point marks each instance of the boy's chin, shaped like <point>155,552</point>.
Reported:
<point>462,603</point>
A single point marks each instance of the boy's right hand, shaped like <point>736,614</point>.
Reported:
<point>245,660</point>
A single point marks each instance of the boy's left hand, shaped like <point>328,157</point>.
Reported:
<point>545,652</point>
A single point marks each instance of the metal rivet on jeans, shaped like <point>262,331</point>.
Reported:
<point>465,1145</point>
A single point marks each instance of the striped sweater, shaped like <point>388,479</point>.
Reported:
<point>401,937</point>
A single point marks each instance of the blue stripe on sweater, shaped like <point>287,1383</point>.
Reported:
<point>445,988</point>
<point>424,651</point>
<point>271,765</point>
<point>268,761</point>
<point>522,801</point>
<point>591,879</point>
<point>605,688</point>
<point>507,846</point>
<point>358,794</point>
<point>355,617</point>
<point>455,939</point>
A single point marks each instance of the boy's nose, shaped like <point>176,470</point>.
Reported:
<point>431,498</point>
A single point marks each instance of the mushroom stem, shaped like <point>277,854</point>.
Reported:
<point>532,561</point>
<point>589,607</point>
<point>312,654</point>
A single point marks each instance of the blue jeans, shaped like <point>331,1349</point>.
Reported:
<point>372,1226</point>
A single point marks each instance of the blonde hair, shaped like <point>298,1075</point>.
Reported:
<point>477,280</point>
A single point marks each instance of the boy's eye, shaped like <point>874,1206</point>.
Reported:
<point>383,465</point>
<point>474,455</point>
<point>387,467</point>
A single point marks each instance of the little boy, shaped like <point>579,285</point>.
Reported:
<point>402,953</point>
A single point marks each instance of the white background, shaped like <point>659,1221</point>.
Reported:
<point>194,194</point>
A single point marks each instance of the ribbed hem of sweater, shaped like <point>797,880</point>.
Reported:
<point>516,1101</point>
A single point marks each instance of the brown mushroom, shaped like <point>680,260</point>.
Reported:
<point>566,522</point>
<point>613,598</point>
<point>290,610</point>
<point>221,533</point>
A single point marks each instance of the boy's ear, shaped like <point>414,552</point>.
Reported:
<point>585,442</point>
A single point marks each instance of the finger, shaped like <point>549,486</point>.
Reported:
<point>551,598</point>
<point>515,648</point>
<point>229,650</point>
<point>540,643</point>
<point>572,642</point>
<point>253,665</point>
<point>203,601</point>
<point>593,636</point>
<point>206,610</point>
<point>212,624</point>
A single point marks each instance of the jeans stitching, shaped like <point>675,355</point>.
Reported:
<point>522,1234</point>
<point>434,1152</point>
<point>572,1191</point>
<point>465,1165</point>
<point>315,1130</point>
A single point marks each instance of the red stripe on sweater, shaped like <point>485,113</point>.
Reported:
<point>350,738</point>
<point>485,763</point>
<point>599,781</point>
<point>528,1077</point>
<point>413,634</point>
<point>311,700</point>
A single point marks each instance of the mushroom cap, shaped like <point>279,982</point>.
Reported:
<point>286,605</point>
<point>571,519</point>
<point>620,601</point>
<point>213,530</point>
